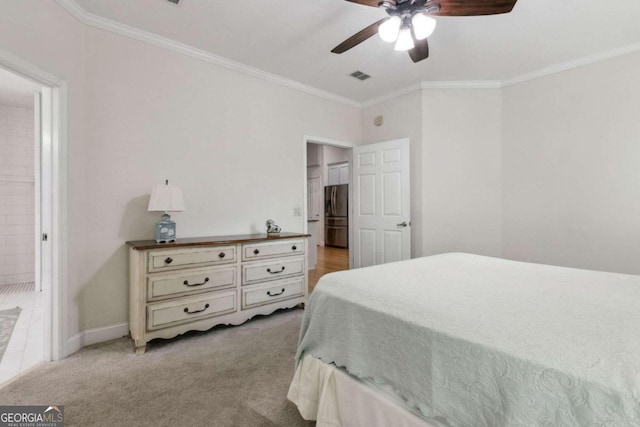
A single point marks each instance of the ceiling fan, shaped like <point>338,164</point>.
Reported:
<point>409,23</point>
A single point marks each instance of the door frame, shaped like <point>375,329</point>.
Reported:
<point>334,143</point>
<point>53,150</point>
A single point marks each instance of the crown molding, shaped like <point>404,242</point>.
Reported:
<point>391,95</point>
<point>106,24</point>
<point>569,65</point>
<point>125,30</point>
<point>462,84</point>
<point>499,84</point>
<point>470,84</point>
<point>74,9</point>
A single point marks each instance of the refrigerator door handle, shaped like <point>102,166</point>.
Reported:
<point>326,205</point>
<point>333,201</point>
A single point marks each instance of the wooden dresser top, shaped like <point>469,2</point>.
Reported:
<point>211,240</point>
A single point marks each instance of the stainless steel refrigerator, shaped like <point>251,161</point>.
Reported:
<point>336,215</point>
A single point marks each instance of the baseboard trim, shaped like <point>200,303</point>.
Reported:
<point>95,336</point>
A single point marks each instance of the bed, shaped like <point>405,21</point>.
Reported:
<point>467,340</point>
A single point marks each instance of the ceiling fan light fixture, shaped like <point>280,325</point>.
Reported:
<point>389,29</point>
<point>405,41</point>
<point>423,26</point>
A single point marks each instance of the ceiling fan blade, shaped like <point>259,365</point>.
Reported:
<point>472,7</point>
<point>420,49</point>
<point>372,3</point>
<point>358,37</point>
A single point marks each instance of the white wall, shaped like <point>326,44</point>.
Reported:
<point>402,119</point>
<point>17,195</point>
<point>571,169</point>
<point>455,166</point>
<point>138,115</point>
<point>233,143</point>
<point>461,171</point>
<point>542,171</point>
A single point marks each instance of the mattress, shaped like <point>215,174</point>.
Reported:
<point>466,340</point>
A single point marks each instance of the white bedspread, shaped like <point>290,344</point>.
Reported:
<point>335,399</point>
<point>478,341</point>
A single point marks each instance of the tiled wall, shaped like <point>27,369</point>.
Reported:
<point>17,197</point>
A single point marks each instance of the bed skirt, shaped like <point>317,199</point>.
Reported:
<point>335,399</point>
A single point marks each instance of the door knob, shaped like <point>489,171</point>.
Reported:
<point>403,224</point>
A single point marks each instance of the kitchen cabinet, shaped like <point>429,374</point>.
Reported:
<point>338,174</point>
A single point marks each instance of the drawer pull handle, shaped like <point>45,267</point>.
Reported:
<point>275,272</point>
<point>221,254</point>
<point>186,310</point>
<point>256,251</point>
<point>294,247</point>
<point>275,295</point>
<point>168,260</point>
<point>186,282</point>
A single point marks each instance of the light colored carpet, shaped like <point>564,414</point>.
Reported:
<point>229,376</point>
<point>8,319</point>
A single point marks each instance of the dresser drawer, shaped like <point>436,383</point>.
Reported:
<point>253,296</point>
<point>181,258</point>
<point>189,309</point>
<point>267,250</point>
<point>188,281</point>
<point>274,270</point>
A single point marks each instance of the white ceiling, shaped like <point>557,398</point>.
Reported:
<point>293,39</point>
<point>15,90</point>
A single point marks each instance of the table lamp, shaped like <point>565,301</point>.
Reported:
<point>166,198</point>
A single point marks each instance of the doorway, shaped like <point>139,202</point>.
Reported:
<point>327,166</point>
<point>32,140</point>
<point>20,291</point>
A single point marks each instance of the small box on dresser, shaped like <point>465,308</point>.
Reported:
<point>198,283</point>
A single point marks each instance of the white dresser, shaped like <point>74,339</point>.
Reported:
<point>198,283</point>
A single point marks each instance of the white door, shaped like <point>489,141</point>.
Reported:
<point>381,194</point>
<point>313,198</point>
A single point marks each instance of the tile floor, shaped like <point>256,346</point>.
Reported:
<point>26,344</point>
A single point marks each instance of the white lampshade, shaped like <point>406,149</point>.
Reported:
<point>405,41</point>
<point>388,30</point>
<point>423,26</point>
<point>166,198</point>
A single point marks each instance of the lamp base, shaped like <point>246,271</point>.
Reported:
<point>165,230</point>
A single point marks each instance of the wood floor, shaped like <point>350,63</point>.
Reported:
<point>329,260</point>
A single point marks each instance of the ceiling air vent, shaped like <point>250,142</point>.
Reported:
<point>359,75</point>
<point>174,1</point>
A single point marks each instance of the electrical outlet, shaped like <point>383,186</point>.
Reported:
<point>297,211</point>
